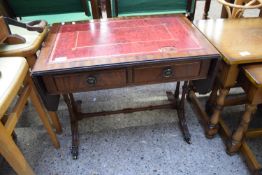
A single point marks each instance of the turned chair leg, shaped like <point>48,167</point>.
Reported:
<point>237,137</point>
<point>12,154</point>
<point>213,122</point>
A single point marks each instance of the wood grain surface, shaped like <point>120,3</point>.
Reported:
<point>188,43</point>
<point>238,40</point>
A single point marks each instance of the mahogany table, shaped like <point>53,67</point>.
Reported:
<point>121,52</point>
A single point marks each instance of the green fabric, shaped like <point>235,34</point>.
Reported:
<point>53,11</point>
<point>149,7</point>
<point>58,18</point>
<point>45,7</point>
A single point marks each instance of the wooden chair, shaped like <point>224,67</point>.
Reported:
<point>229,10</point>
<point>15,77</point>
<point>251,81</point>
<point>28,50</point>
<point>53,11</point>
<point>236,9</point>
<point>149,7</point>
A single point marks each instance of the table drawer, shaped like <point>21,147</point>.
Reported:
<point>91,80</point>
<point>167,72</point>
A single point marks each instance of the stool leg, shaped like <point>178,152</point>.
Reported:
<point>12,154</point>
<point>237,136</point>
<point>213,122</point>
<point>55,121</point>
<point>43,115</point>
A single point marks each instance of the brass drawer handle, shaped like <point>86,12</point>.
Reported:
<point>91,80</point>
<point>167,72</point>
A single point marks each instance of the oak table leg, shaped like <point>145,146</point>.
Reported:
<point>237,136</point>
<point>210,104</point>
<point>213,122</point>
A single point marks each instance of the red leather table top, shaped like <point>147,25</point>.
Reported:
<point>118,38</point>
<point>120,41</point>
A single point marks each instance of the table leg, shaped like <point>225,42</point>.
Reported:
<point>74,124</point>
<point>237,136</point>
<point>176,94</point>
<point>213,122</point>
<point>210,104</point>
<point>174,97</point>
<point>181,114</point>
<point>177,90</point>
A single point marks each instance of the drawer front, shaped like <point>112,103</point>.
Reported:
<point>167,72</point>
<point>90,80</point>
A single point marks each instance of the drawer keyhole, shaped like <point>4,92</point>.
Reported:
<point>91,80</point>
<point>167,72</point>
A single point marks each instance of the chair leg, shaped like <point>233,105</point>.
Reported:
<point>53,116</point>
<point>55,121</point>
<point>12,154</point>
<point>43,115</point>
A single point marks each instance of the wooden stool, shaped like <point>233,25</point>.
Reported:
<point>251,81</point>
<point>15,77</point>
<point>28,50</point>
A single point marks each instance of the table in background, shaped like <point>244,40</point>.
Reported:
<point>121,52</point>
<point>239,41</point>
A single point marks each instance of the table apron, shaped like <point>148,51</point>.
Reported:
<point>126,76</point>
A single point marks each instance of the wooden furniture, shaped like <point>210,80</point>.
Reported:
<point>236,9</point>
<point>118,53</point>
<point>233,9</point>
<point>242,50</point>
<point>54,11</point>
<point>251,81</point>
<point>150,7</point>
<point>14,77</point>
<point>28,50</point>
<point>4,33</point>
<point>8,38</point>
